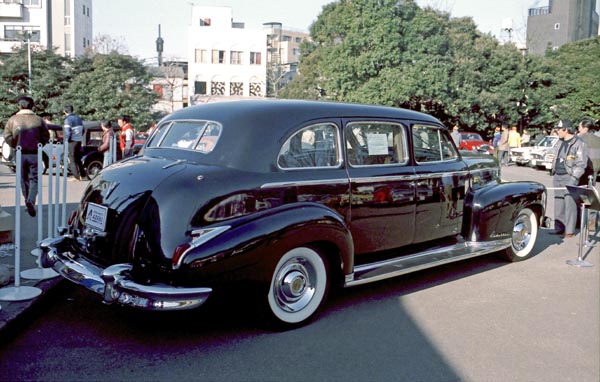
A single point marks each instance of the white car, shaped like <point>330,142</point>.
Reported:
<point>540,155</point>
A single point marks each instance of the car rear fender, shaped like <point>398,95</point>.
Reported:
<point>252,246</point>
<point>491,210</point>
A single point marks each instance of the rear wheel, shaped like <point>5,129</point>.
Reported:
<point>299,286</point>
<point>524,235</point>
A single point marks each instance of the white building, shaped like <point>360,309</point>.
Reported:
<point>63,24</point>
<point>224,58</point>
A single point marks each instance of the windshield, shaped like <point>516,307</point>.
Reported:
<point>471,137</point>
<point>547,142</point>
<point>199,136</point>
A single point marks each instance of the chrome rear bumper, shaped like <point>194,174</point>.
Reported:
<point>114,283</point>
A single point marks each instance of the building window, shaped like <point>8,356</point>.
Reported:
<point>67,44</point>
<point>84,42</point>
<point>298,40</point>
<point>218,56</point>
<point>557,26</point>
<point>205,22</point>
<point>296,52</point>
<point>235,57</point>
<point>21,32</point>
<point>217,88</point>
<point>200,87</point>
<point>84,9</point>
<point>286,38</point>
<point>31,3</point>
<point>201,56</point>
<point>255,58</point>
<point>236,88</point>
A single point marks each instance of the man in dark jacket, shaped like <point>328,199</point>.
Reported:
<point>568,167</point>
<point>25,129</point>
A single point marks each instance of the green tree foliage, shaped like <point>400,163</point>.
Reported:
<point>576,68</point>
<point>391,52</point>
<point>98,86</point>
<point>49,80</point>
<point>107,86</point>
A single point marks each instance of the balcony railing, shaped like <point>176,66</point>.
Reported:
<point>11,9</point>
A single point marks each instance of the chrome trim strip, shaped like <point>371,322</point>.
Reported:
<point>371,179</point>
<point>406,264</point>
<point>301,183</point>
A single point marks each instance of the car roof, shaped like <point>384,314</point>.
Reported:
<point>248,124</point>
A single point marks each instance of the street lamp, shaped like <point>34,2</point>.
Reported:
<point>26,35</point>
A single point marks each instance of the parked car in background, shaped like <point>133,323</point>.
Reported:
<point>280,200</point>
<point>474,142</point>
<point>541,154</point>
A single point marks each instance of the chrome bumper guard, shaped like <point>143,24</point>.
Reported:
<point>114,283</point>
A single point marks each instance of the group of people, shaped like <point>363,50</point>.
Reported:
<point>505,140</point>
<point>27,130</point>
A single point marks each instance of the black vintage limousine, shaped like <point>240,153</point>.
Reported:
<point>291,198</point>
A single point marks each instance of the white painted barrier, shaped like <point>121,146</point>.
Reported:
<point>18,292</point>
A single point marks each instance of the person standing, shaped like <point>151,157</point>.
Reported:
<point>456,137</point>
<point>525,138</point>
<point>107,138</point>
<point>568,166</point>
<point>73,136</point>
<point>127,136</point>
<point>496,141</point>
<point>586,133</point>
<point>27,130</point>
<point>503,146</point>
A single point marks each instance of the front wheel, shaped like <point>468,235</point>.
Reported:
<point>93,168</point>
<point>524,235</point>
<point>299,286</point>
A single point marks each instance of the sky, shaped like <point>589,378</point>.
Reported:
<point>134,23</point>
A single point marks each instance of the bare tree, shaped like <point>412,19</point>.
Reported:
<point>105,44</point>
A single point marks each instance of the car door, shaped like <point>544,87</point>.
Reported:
<point>441,182</point>
<point>382,188</point>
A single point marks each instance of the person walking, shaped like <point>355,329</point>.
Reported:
<point>73,136</point>
<point>503,147</point>
<point>127,136</point>
<point>525,138</point>
<point>568,166</point>
<point>27,130</point>
<point>107,138</point>
<point>586,133</point>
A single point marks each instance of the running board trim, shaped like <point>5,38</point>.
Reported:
<point>432,258</point>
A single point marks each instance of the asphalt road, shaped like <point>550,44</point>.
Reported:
<point>477,320</point>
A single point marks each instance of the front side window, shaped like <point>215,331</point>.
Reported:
<point>315,146</point>
<point>199,136</point>
<point>430,144</point>
<point>375,143</point>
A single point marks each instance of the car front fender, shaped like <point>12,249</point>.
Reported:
<point>490,211</point>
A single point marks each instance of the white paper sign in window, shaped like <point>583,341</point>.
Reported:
<point>377,144</point>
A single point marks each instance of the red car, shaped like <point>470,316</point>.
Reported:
<point>474,142</point>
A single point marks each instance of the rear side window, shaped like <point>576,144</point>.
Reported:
<point>431,144</point>
<point>199,136</point>
<point>375,143</point>
<point>315,146</point>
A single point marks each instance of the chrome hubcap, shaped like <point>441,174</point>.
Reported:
<point>521,233</point>
<point>293,288</point>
